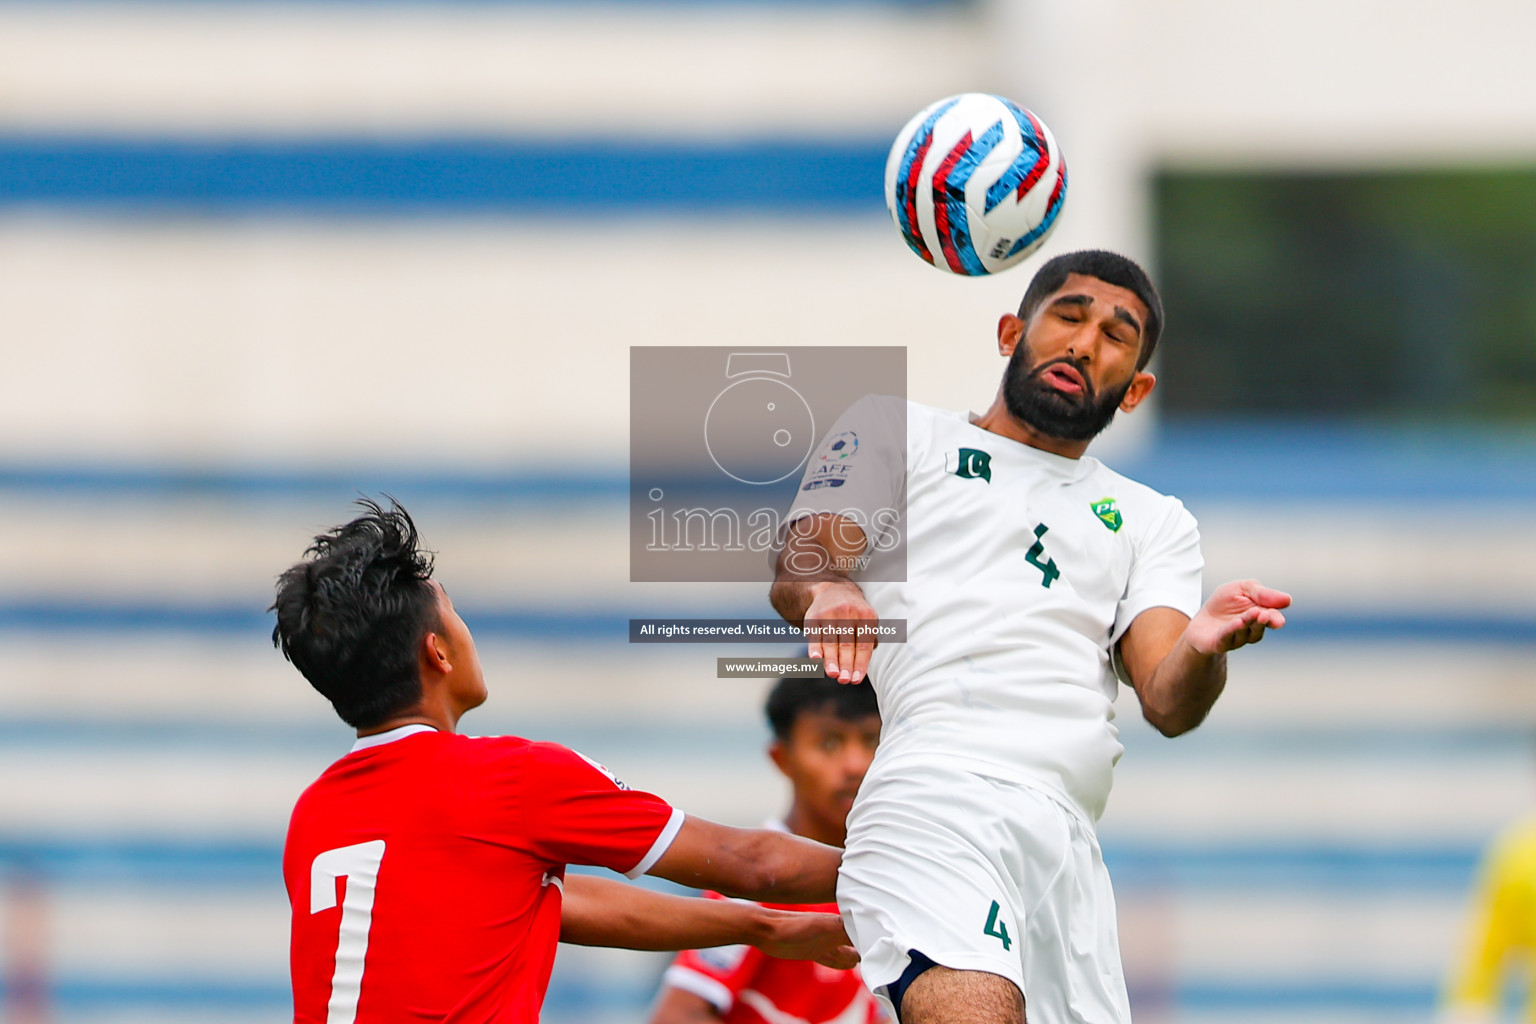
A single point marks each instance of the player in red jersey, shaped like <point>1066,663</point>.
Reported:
<point>824,739</point>
<point>426,870</point>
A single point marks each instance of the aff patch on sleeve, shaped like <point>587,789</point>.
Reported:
<point>840,447</point>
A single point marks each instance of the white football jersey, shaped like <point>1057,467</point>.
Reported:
<point>1022,571</point>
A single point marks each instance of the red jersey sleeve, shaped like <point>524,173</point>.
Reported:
<point>577,812</point>
<point>716,975</point>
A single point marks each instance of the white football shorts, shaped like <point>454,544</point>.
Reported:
<point>981,874</point>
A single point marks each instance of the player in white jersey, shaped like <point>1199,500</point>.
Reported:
<point>1035,578</point>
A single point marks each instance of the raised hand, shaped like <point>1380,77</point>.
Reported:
<point>846,656</point>
<point>1235,615</point>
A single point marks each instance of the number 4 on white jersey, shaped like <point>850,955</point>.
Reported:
<point>359,865</point>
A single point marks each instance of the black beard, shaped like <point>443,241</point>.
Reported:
<point>1052,413</point>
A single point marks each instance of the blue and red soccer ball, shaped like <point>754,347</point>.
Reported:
<point>975,183</point>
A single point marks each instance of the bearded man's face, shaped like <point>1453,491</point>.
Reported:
<point>1033,397</point>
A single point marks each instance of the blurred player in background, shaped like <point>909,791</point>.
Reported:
<point>972,884</point>
<point>1500,943</point>
<point>824,737</point>
<point>426,870</point>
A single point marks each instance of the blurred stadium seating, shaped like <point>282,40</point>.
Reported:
<point>257,258</point>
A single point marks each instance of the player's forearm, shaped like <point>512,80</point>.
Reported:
<point>792,597</point>
<point>818,552</point>
<point>602,912</point>
<point>789,869</point>
<point>756,864</point>
<point>1183,689</point>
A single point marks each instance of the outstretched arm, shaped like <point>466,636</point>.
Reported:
<point>811,584</point>
<point>603,912</point>
<point>1178,665</point>
<point>756,863</point>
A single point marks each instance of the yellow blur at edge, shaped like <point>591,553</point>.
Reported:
<point>1502,930</point>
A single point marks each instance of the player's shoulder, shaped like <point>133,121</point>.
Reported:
<point>899,410</point>
<point>928,415</point>
<point>878,416</point>
<point>557,759</point>
<point>882,405</point>
<point>452,744</point>
<point>930,430</point>
<point>432,754</point>
<point>495,762</point>
<point>383,771</point>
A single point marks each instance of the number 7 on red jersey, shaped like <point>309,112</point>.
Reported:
<point>359,865</point>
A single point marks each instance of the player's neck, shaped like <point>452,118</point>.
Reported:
<point>408,719</point>
<point>434,709</point>
<point>806,825</point>
<point>999,420</point>
<point>438,707</point>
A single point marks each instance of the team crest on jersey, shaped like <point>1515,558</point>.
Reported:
<point>970,463</point>
<point>610,776</point>
<point>1110,516</point>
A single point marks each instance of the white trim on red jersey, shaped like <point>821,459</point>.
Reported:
<point>659,847</point>
<point>856,1012</point>
<point>378,739</point>
<point>706,988</point>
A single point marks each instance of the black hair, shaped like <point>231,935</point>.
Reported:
<point>351,616</point>
<point>792,697</point>
<point>1111,268</point>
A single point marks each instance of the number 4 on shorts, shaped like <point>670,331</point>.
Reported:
<point>997,929</point>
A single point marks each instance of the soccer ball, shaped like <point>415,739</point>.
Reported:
<point>975,183</point>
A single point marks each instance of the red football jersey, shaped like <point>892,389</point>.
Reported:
<point>425,872</point>
<point>747,986</point>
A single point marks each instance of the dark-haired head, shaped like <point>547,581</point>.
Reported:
<point>1078,348</point>
<point>825,734</point>
<point>1111,268</point>
<point>351,617</point>
<point>792,697</point>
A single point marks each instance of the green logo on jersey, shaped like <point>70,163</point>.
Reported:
<point>972,463</point>
<point>1110,516</point>
<point>997,929</point>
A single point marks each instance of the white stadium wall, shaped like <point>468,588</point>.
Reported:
<point>158,333</point>
<point>149,331</point>
<point>256,257</point>
<point>1307,84</point>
